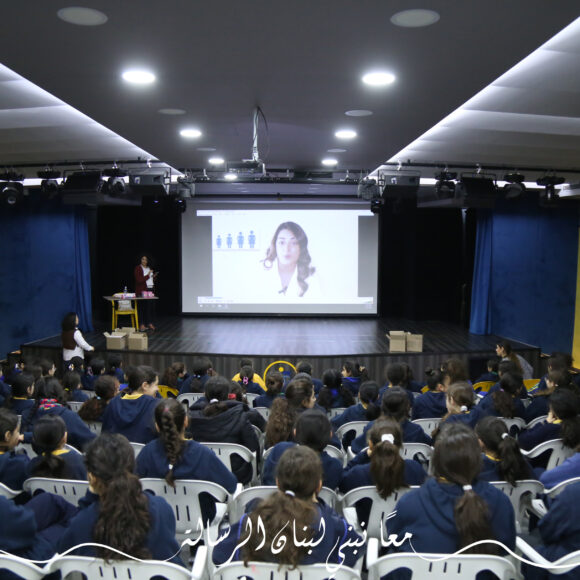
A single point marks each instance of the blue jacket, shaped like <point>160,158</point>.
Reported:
<point>486,377</point>
<point>469,418</point>
<point>411,434</point>
<point>21,406</point>
<point>75,467</point>
<point>331,467</point>
<point>352,384</point>
<point>352,413</point>
<point>430,405</point>
<point>487,407</point>
<point>428,514</point>
<point>264,400</point>
<point>529,438</point>
<point>161,541</point>
<point>13,469</point>
<point>336,533</point>
<point>132,416</point>
<point>490,470</point>
<point>539,406</point>
<point>569,469</point>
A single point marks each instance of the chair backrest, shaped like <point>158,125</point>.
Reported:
<point>356,426</point>
<point>421,452</point>
<point>189,398</point>
<point>335,452</point>
<point>70,489</point>
<point>264,411</point>
<point>483,386</point>
<point>184,499</point>
<point>250,398</point>
<point>520,496</point>
<point>516,422</point>
<point>90,394</point>
<point>336,412</point>
<point>118,569</point>
<point>558,489</point>
<point>27,447</point>
<point>269,571</point>
<point>225,451</point>
<point>8,493</point>
<point>380,507</point>
<point>72,448</point>
<point>137,447</point>
<point>536,421</point>
<point>261,437</point>
<point>20,566</point>
<point>428,425</point>
<point>75,405</point>
<point>95,426</point>
<point>559,452</point>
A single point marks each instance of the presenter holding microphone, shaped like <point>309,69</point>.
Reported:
<point>145,282</point>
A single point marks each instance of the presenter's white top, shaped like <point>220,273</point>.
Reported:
<point>269,285</point>
<point>147,273</point>
<point>81,346</point>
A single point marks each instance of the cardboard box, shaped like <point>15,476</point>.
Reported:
<point>397,341</point>
<point>116,341</point>
<point>126,330</point>
<point>414,342</point>
<point>138,341</point>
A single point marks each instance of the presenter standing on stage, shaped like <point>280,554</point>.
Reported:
<point>145,282</point>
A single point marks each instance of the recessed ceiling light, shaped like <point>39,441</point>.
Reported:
<point>378,78</point>
<point>138,77</point>
<point>190,133</point>
<point>82,16</point>
<point>172,111</point>
<point>337,150</point>
<point>415,18</point>
<point>358,113</point>
<point>216,160</point>
<point>329,162</point>
<point>230,176</point>
<point>345,134</point>
<point>206,149</point>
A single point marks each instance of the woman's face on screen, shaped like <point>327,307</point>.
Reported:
<point>287,248</point>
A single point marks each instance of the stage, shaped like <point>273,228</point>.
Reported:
<point>325,342</point>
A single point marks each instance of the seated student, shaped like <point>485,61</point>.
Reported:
<point>305,367</point>
<point>569,469</point>
<point>396,406</point>
<point>313,430</point>
<point>454,371</point>
<point>248,362</point>
<point>248,380</point>
<point>334,394</point>
<point>174,375</point>
<point>48,368</point>
<point>53,460</point>
<point>540,404</point>
<point>504,350</point>
<point>51,400</point>
<point>299,479</point>
<point>274,384</point>
<point>366,410</point>
<point>201,371</point>
<point>13,465</point>
<point>505,401</point>
<point>131,415</point>
<point>491,374</point>
<point>501,458</point>
<point>560,533</point>
<point>22,395</point>
<point>460,401</point>
<point>238,394</point>
<point>431,404</point>
<point>116,512</point>
<point>409,381</point>
<point>395,378</point>
<point>454,508</point>
<point>353,375</point>
<point>94,369</point>
<point>106,388</point>
<point>115,367</point>
<point>381,465</point>
<point>172,457</point>
<point>71,382</point>
<point>225,421</point>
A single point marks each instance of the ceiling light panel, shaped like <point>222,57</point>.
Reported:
<point>82,16</point>
<point>358,113</point>
<point>415,18</point>
<point>190,133</point>
<point>138,77</point>
<point>345,134</point>
<point>378,78</point>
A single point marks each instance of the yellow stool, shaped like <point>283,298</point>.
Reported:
<point>124,311</point>
<point>165,391</point>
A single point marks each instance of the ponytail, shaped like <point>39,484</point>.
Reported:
<point>47,435</point>
<point>217,390</point>
<point>105,390</point>
<point>170,420</point>
<point>369,394</point>
<point>473,522</point>
<point>280,422</point>
<point>503,400</point>
<point>565,405</point>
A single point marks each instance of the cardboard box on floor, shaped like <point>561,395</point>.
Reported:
<point>126,330</point>
<point>397,341</point>
<point>115,340</point>
<point>138,341</point>
<point>414,342</point>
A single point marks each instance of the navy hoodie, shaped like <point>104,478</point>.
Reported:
<point>430,405</point>
<point>13,469</point>
<point>411,434</point>
<point>132,416</point>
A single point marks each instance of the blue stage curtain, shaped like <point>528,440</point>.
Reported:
<point>82,270</point>
<point>480,321</point>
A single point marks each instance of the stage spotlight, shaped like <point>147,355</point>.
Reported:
<point>180,204</point>
<point>445,186</point>
<point>115,186</point>
<point>514,187</point>
<point>549,182</point>
<point>11,193</point>
<point>376,206</point>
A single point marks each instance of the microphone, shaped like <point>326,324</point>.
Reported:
<point>283,291</point>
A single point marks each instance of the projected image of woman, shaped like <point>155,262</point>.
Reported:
<point>288,257</point>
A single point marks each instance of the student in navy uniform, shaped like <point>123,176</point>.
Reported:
<point>396,375</point>
<point>334,394</point>
<point>50,400</point>
<point>174,375</point>
<point>53,459</point>
<point>367,408</point>
<point>299,479</point>
<point>395,405</point>
<point>431,404</point>
<point>540,404</point>
<point>201,372</point>
<point>409,381</point>
<point>172,457</point>
<point>461,408</point>
<point>106,388</point>
<point>115,367</point>
<point>22,394</point>
<point>116,512</point>
<point>247,380</point>
<point>274,384</point>
<point>132,414</point>
<point>71,382</point>
<point>313,430</point>
<point>305,367</point>
<point>491,374</point>
<point>13,466</point>
<point>225,421</point>
<point>93,371</point>
<point>353,375</point>
<point>501,458</point>
<point>505,402</point>
<point>453,509</point>
<point>238,394</point>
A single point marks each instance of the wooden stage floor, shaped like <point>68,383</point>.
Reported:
<point>323,341</point>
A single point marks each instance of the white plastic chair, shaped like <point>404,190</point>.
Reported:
<point>95,426</point>
<point>521,498</point>
<point>184,500</point>
<point>536,421</point>
<point>21,566</point>
<point>225,451</point>
<point>419,451</point>
<point>264,411</point>
<point>356,426</point>
<point>564,565</point>
<point>538,506</point>
<point>90,394</point>
<point>380,508</point>
<point>250,398</point>
<point>75,405</point>
<point>559,452</point>
<point>8,493</point>
<point>336,412</point>
<point>336,453</point>
<point>70,489</point>
<point>425,566</point>
<point>137,447</point>
<point>189,399</point>
<point>428,425</point>
<point>118,569</point>
<point>516,422</point>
